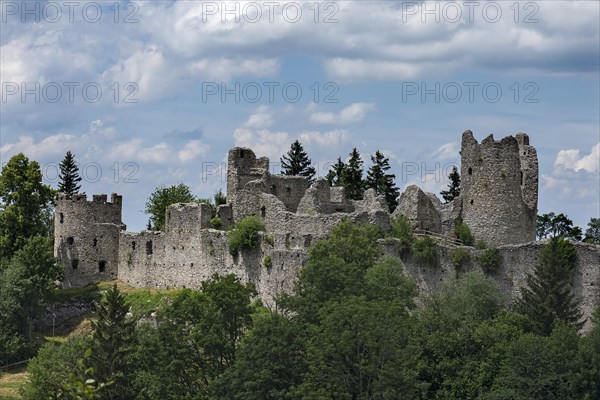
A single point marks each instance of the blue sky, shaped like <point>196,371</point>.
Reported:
<point>162,67</point>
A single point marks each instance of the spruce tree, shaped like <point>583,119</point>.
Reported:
<point>548,297</point>
<point>353,176</point>
<point>335,176</point>
<point>381,181</point>
<point>113,335</point>
<point>69,175</point>
<point>297,163</point>
<point>453,188</point>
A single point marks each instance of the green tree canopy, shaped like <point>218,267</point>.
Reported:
<point>353,176</point>
<point>453,187</point>
<point>383,182</point>
<point>336,174</point>
<point>25,204</point>
<point>592,233</point>
<point>297,163</point>
<point>69,175</point>
<point>552,225</point>
<point>161,198</point>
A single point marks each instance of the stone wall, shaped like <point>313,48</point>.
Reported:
<point>516,262</point>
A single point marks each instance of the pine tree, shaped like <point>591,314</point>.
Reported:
<point>353,176</point>
<point>297,163</point>
<point>113,334</point>
<point>548,297</point>
<point>453,188</point>
<point>335,176</point>
<point>69,175</point>
<point>381,181</point>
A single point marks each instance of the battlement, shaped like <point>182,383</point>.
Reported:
<point>96,198</point>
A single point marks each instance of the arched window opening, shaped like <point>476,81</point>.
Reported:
<point>149,247</point>
<point>470,171</point>
<point>70,241</point>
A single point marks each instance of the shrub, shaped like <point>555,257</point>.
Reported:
<point>216,223</point>
<point>425,251</point>
<point>128,257</point>
<point>245,234</point>
<point>489,260</point>
<point>458,256</point>
<point>270,240</point>
<point>401,229</point>
<point>267,262</point>
<point>463,233</point>
<point>480,245</point>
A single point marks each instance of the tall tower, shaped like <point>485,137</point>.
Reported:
<point>86,237</point>
<point>499,188</point>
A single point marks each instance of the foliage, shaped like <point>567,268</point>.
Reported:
<point>424,251</point>
<point>453,188</point>
<point>245,234</point>
<point>26,283</point>
<point>69,175</point>
<point>216,223</point>
<point>489,260</point>
<point>269,240</point>
<point>548,297</point>
<point>552,225</point>
<point>267,262</point>
<point>458,256</point>
<point>195,341</point>
<point>353,176</point>
<point>50,369</point>
<point>270,362</point>
<point>592,233</point>
<point>113,337</point>
<point>381,181</point>
<point>25,204</point>
<point>336,174</point>
<point>481,245</point>
<point>402,229</point>
<point>83,385</point>
<point>463,233</point>
<point>297,163</point>
<point>335,267</point>
<point>386,280</point>
<point>161,198</point>
<point>219,198</point>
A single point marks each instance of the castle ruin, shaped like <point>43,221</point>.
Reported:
<point>498,201</point>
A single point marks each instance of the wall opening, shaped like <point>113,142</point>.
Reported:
<point>471,202</point>
<point>263,211</point>
<point>521,177</point>
<point>149,247</point>
<point>70,241</point>
<point>241,153</point>
<point>101,266</point>
<point>95,242</point>
<point>274,190</point>
<point>288,190</point>
<point>470,171</point>
<point>62,218</point>
<point>74,264</point>
<point>132,245</point>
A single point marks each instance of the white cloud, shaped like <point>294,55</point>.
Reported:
<point>192,151</point>
<point>355,112</point>
<point>448,151</point>
<point>570,159</point>
<point>261,119</point>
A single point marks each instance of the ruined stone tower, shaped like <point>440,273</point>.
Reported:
<point>499,188</point>
<point>86,237</point>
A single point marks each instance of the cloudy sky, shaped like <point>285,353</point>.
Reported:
<point>151,93</point>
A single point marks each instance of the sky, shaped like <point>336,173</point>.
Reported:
<point>152,93</point>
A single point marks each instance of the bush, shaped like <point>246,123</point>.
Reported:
<point>216,223</point>
<point>245,234</point>
<point>270,240</point>
<point>267,262</point>
<point>463,233</point>
<point>425,251</point>
<point>489,260</point>
<point>401,229</point>
<point>480,245</point>
<point>458,256</point>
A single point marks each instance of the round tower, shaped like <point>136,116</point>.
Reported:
<point>499,188</point>
<point>86,237</point>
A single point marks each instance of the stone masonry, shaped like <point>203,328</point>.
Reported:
<point>498,202</point>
